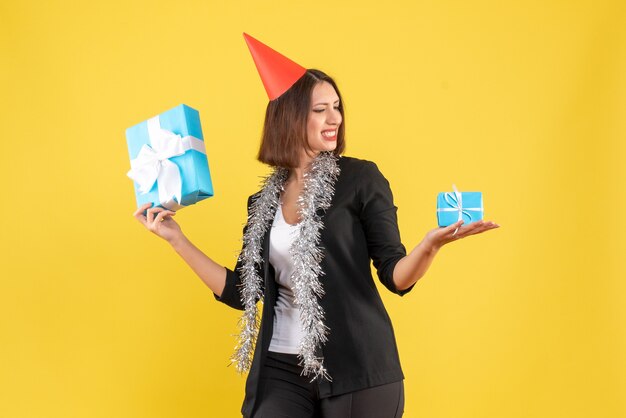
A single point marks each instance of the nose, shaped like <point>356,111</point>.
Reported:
<point>333,117</point>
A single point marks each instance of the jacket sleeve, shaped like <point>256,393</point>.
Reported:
<point>380,222</point>
<point>231,295</point>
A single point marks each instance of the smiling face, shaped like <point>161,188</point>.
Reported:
<point>304,121</point>
<point>324,118</point>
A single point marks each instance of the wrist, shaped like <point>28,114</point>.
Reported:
<point>178,241</point>
<point>429,247</point>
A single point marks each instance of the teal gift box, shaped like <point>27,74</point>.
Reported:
<point>168,159</point>
<point>452,206</point>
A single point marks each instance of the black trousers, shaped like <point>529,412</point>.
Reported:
<point>283,393</point>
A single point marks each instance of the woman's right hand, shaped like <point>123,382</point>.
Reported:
<point>159,221</point>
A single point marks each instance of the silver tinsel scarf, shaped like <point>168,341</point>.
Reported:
<point>317,194</point>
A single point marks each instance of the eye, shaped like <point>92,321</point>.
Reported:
<point>318,110</point>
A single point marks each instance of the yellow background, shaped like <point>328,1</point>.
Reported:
<point>524,101</point>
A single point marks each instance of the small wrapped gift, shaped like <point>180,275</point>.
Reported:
<point>454,206</point>
<point>168,159</point>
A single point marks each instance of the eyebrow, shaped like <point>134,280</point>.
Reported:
<point>325,103</point>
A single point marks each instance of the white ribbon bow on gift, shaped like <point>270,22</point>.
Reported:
<point>152,163</point>
<point>456,201</point>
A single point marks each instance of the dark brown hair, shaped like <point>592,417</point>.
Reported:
<point>285,127</point>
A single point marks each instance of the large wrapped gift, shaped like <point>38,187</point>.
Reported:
<point>168,159</point>
<point>454,206</point>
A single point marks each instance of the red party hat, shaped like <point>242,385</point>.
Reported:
<point>277,72</point>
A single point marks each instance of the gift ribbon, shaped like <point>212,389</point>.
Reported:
<point>153,164</point>
<point>455,200</point>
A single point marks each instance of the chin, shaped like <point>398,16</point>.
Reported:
<point>330,146</point>
<point>325,146</point>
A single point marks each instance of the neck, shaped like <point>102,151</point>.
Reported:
<point>297,173</point>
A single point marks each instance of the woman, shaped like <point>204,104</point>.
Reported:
<point>325,345</point>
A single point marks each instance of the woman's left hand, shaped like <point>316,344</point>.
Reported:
<point>439,237</point>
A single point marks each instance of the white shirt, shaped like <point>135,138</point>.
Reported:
<point>287,330</point>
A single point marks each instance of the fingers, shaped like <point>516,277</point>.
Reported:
<point>162,214</point>
<point>485,227</point>
<point>150,214</point>
<point>454,227</point>
<point>139,212</point>
<point>476,228</point>
<point>153,214</point>
<point>157,214</point>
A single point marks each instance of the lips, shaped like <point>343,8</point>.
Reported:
<point>330,134</point>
